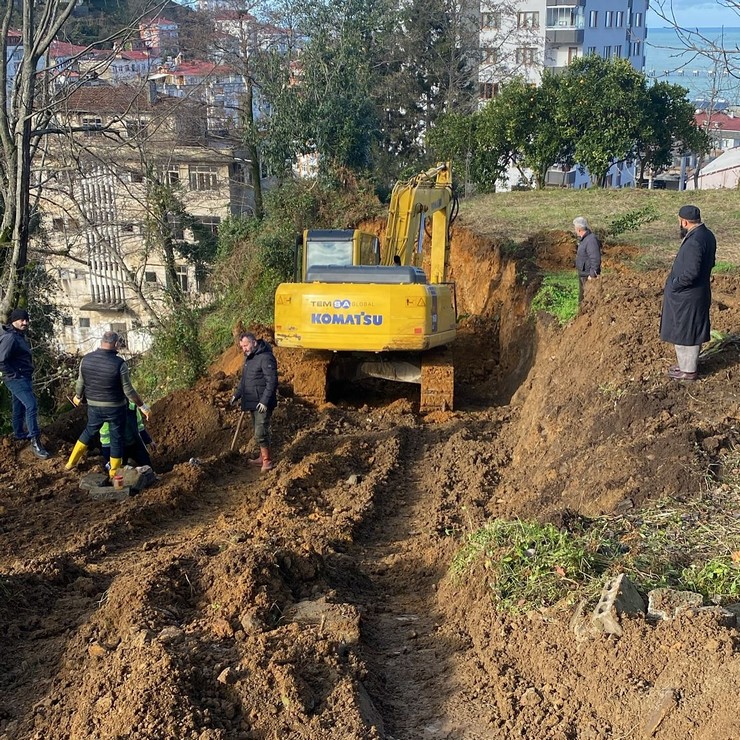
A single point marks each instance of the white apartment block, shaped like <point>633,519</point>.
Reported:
<point>525,38</point>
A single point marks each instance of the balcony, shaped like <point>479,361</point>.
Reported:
<point>569,36</point>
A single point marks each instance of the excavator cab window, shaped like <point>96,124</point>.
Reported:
<point>328,248</point>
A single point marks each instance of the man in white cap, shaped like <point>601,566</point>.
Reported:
<point>687,294</point>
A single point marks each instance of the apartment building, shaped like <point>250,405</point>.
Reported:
<point>99,210</point>
<point>526,38</point>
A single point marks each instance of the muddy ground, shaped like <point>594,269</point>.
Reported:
<point>315,601</point>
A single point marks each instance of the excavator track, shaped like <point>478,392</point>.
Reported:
<point>437,380</point>
<point>310,377</point>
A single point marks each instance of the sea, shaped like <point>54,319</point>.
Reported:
<point>706,61</point>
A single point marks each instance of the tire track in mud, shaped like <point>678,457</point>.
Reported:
<point>419,669</point>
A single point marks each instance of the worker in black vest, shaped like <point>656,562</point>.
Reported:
<point>104,382</point>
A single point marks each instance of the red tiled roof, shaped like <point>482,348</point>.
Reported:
<point>203,69</point>
<point>63,49</point>
<point>136,56</point>
<point>719,121</point>
<point>115,99</point>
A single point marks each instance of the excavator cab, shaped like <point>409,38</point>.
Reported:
<point>338,248</point>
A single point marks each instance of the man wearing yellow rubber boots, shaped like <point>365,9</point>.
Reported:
<point>104,382</point>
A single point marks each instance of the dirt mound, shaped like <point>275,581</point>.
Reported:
<point>599,423</point>
<point>315,601</point>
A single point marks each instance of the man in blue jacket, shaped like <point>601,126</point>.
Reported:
<point>257,391</point>
<point>16,369</point>
<point>687,294</point>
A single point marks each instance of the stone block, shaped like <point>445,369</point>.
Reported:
<point>619,596</point>
<point>93,480</point>
<point>665,603</point>
<point>724,616</point>
<point>108,493</point>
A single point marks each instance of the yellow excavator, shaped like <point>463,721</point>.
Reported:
<point>362,311</point>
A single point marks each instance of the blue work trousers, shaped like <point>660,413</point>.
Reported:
<point>24,408</point>
<point>116,418</point>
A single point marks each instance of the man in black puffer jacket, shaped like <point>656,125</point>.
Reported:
<point>257,391</point>
<point>104,382</point>
<point>16,369</point>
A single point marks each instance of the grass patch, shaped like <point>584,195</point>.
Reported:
<point>519,214</point>
<point>724,267</point>
<point>558,296</point>
<point>530,565</point>
<point>687,545</point>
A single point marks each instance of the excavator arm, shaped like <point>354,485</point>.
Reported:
<point>412,202</point>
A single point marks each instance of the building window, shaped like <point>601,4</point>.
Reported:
<point>490,20</point>
<point>150,277</point>
<point>176,227</point>
<point>607,52</point>
<point>203,177</point>
<point>170,174</point>
<point>67,321</point>
<point>121,330</point>
<point>92,124</point>
<point>528,20</point>
<point>136,177</point>
<point>620,19</point>
<point>591,50</point>
<point>526,55</point>
<point>489,56</point>
<point>135,128</point>
<point>593,19</point>
<point>57,224</point>
<point>618,51</point>
<point>84,323</point>
<point>637,20</point>
<point>210,223</point>
<point>572,53</point>
<point>127,228</point>
<point>182,277</point>
<point>487,90</point>
<point>636,48</point>
<point>565,17</point>
<point>608,18</point>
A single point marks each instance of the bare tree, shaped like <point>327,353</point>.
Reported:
<point>26,112</point>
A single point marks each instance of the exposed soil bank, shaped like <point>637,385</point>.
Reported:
<point>314,602</point>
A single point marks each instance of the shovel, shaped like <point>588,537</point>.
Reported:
<point>238,427</point>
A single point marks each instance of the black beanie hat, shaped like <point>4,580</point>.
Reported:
<point>19,313</point>
<point>689,213</point>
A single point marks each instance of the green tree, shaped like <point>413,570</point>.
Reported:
<point>523,119</point>
<point>600,107</point>
<point>668,127</point>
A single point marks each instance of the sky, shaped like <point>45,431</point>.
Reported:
<point>692,14</point>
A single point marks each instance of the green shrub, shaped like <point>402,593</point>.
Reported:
<point>176,358</point>
<point>558,296</point>
<point>632,220</point>
<point>530,564</point>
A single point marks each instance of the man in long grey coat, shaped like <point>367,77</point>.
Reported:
<point>687,294</point>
